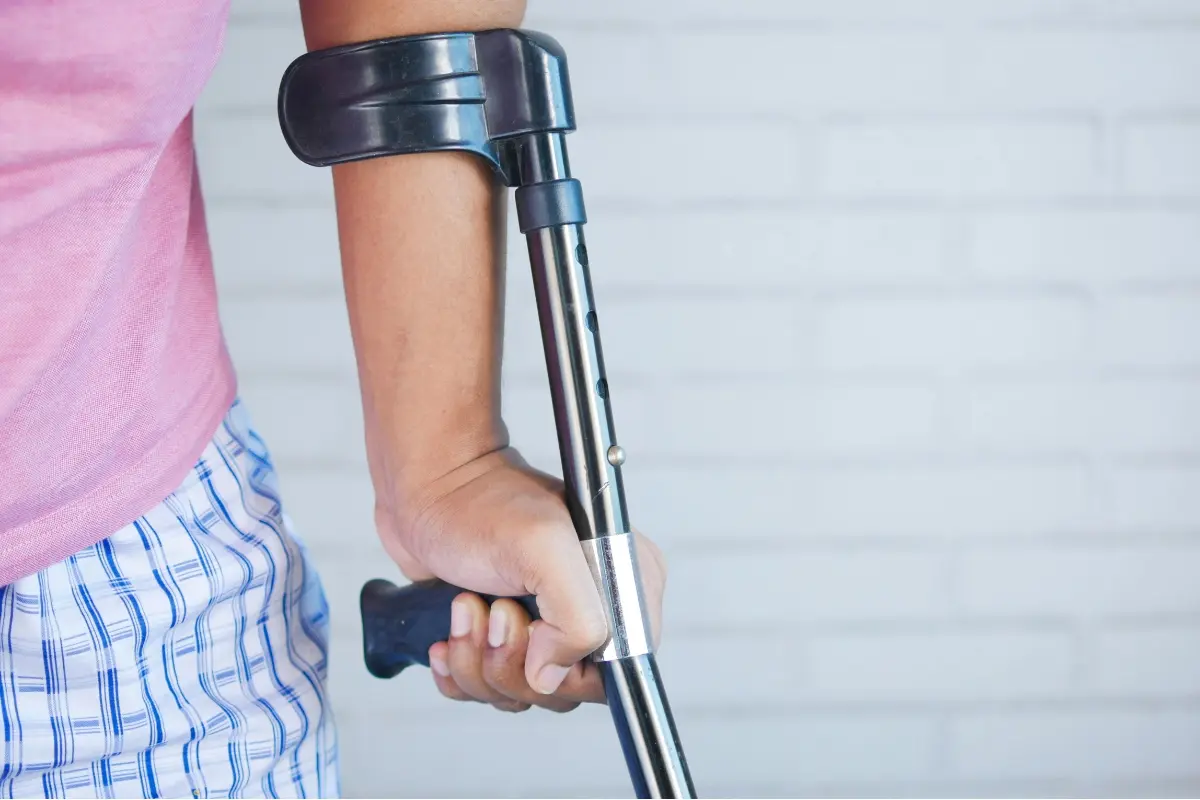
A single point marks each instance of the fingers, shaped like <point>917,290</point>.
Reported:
<point>504,658</point>
<point>484,661</point>
<point>438,663</point>
<point>572,624</point>
<point>468,637</point>
<point>653,567</point>
<point>504,665</point>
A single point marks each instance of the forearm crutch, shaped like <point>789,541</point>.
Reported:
<point>505,96</point>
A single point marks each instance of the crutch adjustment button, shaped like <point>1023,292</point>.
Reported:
<point>589,320</point>
<point>602,388</point>
<point>581,254</point>
<point>616,455</point>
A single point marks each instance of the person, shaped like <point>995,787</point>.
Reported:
<point>162,629</point>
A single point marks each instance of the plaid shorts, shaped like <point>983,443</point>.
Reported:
<point>184,656</point>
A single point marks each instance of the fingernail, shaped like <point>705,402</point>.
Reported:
<point>460,619</point>
<point>550,678</point>
<point>439,666</point>
<point>497,628</point>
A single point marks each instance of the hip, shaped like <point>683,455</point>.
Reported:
<point>184,655</point>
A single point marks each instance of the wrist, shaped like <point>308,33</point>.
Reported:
<point>420,443</point>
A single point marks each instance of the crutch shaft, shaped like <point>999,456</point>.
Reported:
<point>591,464</point>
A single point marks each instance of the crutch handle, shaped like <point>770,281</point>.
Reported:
<point>401,623</point>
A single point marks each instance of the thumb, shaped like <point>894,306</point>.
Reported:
<point>572,624</point>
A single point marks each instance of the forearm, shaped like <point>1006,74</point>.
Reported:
<point>422,245</point>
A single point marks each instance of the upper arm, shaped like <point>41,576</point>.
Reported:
<point>328,23</point>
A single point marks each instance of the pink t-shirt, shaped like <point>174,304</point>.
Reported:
<point>113,371</point>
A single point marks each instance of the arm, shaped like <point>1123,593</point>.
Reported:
<point>422,241</point>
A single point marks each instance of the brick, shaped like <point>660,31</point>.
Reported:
<point>529,415</point>
<point>786,420</point>
<point>816,747</point>
<point>1028,69</point>
<point>699,337</point>
<point>1159,661</point>
<point>885,159</point>
<point>1155,498</point>
<point>886,247</point>
<point>712,13</point>
<point>1151,329</point>
<point>333,509</point>
<point>881,561</point>
<point>758,12</point>
<point>751,250</point>
<point>1153,11</point>
<point>692,502</point>
<point>958,665</point>
<point>654,161</point>
<point>951,332</point>
<point>635,68</point>
<point>251,67</point>
<point>290,335</point>
<point>877,71</point>
<point>1086,744</point>
<point>262,12</point>
<point>1162,159</point>
<point>1143,787</point>
<point>267,251</point>
<point>1124,416</point>
<point>318,420</point>
<point>713,671</point>
<point>735,248</point>
<point>1112,581</point>
<point>245,159</point>
<point>305,421</point>
<point>524,355</point>
<point>731,589</point>
<point>1100,246</point>
<point>613,73</point>
<point>499,745</point>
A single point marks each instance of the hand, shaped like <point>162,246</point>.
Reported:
<point>499,527</point>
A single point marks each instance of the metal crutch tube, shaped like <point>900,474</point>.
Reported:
<point>505,96</point>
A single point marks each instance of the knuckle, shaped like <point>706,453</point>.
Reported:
<point>592,631</point>
<point>564,707</point>
<point>513,707</point>
<point>498,674</point>
<point>452,692</point>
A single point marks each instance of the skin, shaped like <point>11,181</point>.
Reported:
<point>422,247</point>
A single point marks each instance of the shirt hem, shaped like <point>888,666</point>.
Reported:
<point>123,498</point>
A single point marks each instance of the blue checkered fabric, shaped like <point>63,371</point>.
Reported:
<point>184,656</point>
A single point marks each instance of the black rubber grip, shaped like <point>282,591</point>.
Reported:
<point>401,623</point>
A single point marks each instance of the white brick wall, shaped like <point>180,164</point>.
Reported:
<point>901,303</point>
